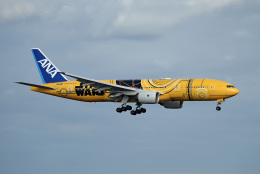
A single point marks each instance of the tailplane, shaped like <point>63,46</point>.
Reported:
<point>34,85</point>
<point>48,71</point>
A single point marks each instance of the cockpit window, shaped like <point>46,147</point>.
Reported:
<point>230,86</point>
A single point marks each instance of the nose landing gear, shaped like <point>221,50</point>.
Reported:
<point>218,108</point>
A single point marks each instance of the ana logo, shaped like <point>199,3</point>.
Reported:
<point>50,69</point>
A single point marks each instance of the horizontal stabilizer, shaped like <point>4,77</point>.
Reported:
<point>39,86</point>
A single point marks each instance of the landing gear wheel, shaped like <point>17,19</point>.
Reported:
<point>218,108</point>
<point>143,110</point>
<point>138,111</point>
<point>124,108</point>
<point>128,107</point>
<point>133,112</point>
<point>119,110</point>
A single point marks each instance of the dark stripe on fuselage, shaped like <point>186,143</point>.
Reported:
<point>202,82</point>
<point>189,89</point>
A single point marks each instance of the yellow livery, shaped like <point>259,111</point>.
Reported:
<point>170,93</point>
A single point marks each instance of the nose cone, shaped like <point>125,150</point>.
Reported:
<point>233,91</point>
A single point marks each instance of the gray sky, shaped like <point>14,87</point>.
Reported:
<point>124,39</point>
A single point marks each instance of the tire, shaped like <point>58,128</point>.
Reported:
<point>218,108</point>
<point>143,110</point>
<point>133,112</point>
<point>119,110</point>
<point>138,111</point>
<point>128,107</point>
<point>123,109</point>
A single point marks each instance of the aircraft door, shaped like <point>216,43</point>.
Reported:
<point>212,86</point>
<point>178,92</point>
<point>177,87</point>
<point>70,89</point>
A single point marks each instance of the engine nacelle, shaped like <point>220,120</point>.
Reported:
<point>148,97</point>
<point>172,104</point>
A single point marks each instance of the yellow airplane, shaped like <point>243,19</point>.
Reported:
<point>170,93</point>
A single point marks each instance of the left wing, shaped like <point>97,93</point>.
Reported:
<point>117,91</point>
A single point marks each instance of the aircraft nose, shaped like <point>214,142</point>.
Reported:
<point>234,91</point>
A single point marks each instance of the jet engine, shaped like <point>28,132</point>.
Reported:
<point>172,104</point>
<point>148,97</point>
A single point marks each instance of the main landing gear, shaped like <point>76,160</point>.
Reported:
<point>125,107</point>
<point>138,109</point>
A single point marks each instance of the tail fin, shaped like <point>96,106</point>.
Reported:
<point>48,71</point>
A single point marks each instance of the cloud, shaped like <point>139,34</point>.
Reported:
<point>123,18</point>
<point>21,10</point>
<point>151,18</point>
<point>11,10</point>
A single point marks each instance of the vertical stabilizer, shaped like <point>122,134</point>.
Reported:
<point>48,71</point>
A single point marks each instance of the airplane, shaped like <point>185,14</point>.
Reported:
<point>170,93</point>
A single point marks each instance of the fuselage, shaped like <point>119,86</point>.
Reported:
<point>170,93</point>
<point>169,89</point>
